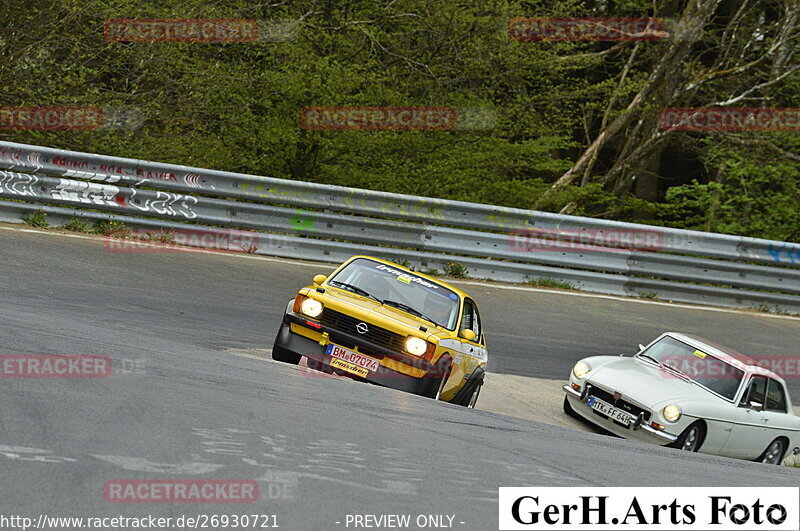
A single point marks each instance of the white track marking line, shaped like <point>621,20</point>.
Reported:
<point>138,464</point>
<point>308,263</point>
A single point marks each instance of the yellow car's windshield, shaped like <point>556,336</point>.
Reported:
<point>400,289</point>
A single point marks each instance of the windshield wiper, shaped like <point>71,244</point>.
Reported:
<point>664,366</point>
<point>355,289</point>
<point>649,357</point>
<point>408,309</point>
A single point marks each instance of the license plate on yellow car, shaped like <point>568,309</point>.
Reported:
<point>351,361</point>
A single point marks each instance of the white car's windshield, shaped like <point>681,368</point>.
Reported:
<point>706,370</point>
<point>400,289</point>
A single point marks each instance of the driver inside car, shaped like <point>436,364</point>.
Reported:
<point>438,309</point>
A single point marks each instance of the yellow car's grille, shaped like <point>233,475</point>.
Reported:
<point>375,334</point>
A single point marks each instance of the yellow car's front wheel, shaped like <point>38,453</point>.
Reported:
<point>439,375</point>
<point>468,395</point>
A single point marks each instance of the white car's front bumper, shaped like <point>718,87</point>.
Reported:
<point>639,430</point>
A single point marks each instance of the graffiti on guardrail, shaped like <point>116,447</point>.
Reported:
<point>107,195</point>
<point>83,192</point>
<point>92,176</point>
<point>83,169</point>
<point>302,221</point>
<point>165,204</point>
<point>17,183</point>
<point>792,252</point>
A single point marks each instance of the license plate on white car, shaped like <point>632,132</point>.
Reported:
<point>610,411</point>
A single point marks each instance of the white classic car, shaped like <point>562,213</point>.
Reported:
<point>689,393</point>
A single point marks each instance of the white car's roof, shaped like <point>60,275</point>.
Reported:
<point>737,359</point>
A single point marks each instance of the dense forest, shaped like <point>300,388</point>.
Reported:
<point>570,126</point>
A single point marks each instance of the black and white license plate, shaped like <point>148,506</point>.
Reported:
<point>610,411</point>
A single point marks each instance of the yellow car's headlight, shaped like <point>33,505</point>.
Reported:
<point>581,369</point>
<point>416,346</point>
<point>672,413</point>
<point>311,307</point>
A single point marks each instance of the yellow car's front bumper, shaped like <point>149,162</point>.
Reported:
<point>420,378</point>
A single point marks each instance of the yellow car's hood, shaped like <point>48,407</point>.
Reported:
<point>388,316</point>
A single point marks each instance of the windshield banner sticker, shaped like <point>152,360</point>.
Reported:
<point>405,277</point>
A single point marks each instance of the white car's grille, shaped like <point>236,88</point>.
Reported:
<point>621,403</point>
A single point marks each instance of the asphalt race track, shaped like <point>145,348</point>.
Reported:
<point>177,406</point>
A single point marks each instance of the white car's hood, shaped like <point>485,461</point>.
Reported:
<point>645,383</point>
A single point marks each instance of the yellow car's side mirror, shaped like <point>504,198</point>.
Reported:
<point>319,279</point>
<point>468,334</point>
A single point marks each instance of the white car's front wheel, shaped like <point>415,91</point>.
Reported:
<point>773,455</point>
<point>691,438</point>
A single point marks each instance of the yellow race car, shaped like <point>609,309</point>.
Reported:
<point>380,322</point>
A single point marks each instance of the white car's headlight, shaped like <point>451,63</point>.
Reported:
<point>581,369</point>
<point>416,346</point>
<point>311,307</point>
<point>672,413</point>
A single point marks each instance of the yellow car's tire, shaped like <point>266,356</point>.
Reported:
<point>467,396</point>
<point>438,376</point>
<point>286,356</point>
<point>473,400</point>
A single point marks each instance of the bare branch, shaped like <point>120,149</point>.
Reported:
<point>760,86</point>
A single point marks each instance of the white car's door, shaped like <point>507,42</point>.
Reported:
<point>749,433</point>
<point>777,421</point>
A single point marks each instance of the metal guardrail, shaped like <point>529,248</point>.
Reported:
<point>331,223</point>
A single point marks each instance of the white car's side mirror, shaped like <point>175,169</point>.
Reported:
<point>757,406</point>
<point>641,347</point>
